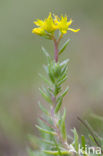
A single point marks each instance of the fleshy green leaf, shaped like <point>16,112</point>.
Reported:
<point>57,90</point>
<point>56,152</point>
<point>65,92</point>
<point>58,106</point>
<point>58,148</point>
<point>46,131</point>
<point>51,73</point>
<point>63,80</point>
<point>45,95</point>
<point>75,142</point>
<point>43,78</point>
<point>43,108</point>
<point>64,46</point>
<point>63,128</point>
<point>65,62</point>
<point>64,69</point>
<point>46,54</point>
<point>83,142</point>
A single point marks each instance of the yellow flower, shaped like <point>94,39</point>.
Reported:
<point>63,24</point>
<point>48,26</point>
<point>39,23</point>
<point>38,31</point>
<point>45,27</point>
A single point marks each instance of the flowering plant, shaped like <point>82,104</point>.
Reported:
<point>55,140</point>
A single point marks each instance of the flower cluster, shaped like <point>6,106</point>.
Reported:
<point>48,26</point>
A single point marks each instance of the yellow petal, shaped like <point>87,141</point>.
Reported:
<point>74,30</point>
<point>38,31</point>
<point>50,16</point>
<point>69,22</point>
<point>39,22</point>
<point>56,19</point>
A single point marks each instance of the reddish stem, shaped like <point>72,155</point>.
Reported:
<point>56,43</point>
<point>56,51</point>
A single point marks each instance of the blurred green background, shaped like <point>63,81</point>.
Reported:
<point>21,59</point>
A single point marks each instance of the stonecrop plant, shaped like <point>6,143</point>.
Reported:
<point>54,139</point>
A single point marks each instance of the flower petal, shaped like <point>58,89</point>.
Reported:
<point>69,22</point>
<point>74,30</point>
<point>38,31</point>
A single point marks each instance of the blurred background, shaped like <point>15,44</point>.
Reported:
<point>21,59</point>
